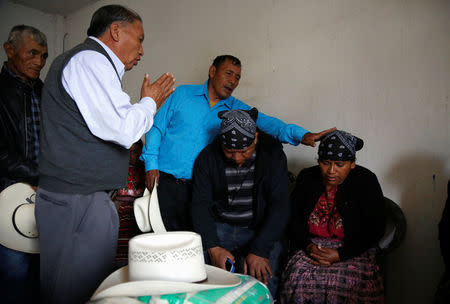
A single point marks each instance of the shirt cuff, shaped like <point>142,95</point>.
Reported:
<point>150,164</point>
<point>298,133</point>
<point>150,105</point>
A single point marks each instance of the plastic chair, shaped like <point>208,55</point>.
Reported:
<point>394,235</point>
<point>395,227</point>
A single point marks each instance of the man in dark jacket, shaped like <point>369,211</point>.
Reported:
<point>20,94</point>
<point>240,200</point>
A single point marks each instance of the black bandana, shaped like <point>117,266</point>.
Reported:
<point>339,145</point>
<point>238,128</point>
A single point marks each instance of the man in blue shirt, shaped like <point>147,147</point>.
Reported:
<point>186,124</point>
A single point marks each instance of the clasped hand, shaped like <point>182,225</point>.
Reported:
<point>159,90</point>
<point>322,256</point>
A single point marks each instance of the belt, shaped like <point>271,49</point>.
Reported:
<point>182,181</point>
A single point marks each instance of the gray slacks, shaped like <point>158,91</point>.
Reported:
<point>78,242</point>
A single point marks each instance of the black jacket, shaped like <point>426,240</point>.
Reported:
<point>16,127</point>
<point>360,203</point>
<point>270,194</point>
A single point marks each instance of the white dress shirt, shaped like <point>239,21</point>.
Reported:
<point>92,82</point>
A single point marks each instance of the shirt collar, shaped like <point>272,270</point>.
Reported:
<point>15,76</point>
<point>203,90</point>
<point>120,67</point>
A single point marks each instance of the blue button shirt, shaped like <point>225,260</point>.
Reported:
<point>186,124</point>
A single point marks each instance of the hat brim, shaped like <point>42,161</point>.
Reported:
<point>147,213</point>
<point>10,199</point>
<point>118,284</point>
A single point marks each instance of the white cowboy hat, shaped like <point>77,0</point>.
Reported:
<point>18,229</point>
<point>147,214</point>
<point>165,263</point>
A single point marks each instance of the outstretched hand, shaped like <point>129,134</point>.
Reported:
<point>309,139</point>
<point>160,89</point>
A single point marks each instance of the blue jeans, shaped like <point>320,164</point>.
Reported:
<point>19,276</point>
<point>236,240</point>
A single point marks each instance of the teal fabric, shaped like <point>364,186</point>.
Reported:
<point>250,291</point>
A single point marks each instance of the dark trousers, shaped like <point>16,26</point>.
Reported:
<point>175,198</point>
<point>236,239</point>
<point>19,276</point>
<point>78,242</point>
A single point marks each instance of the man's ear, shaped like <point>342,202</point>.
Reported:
<point>9,49</point>
<point>114,30</point>
<point>255,141</point>
<point>212,71</point>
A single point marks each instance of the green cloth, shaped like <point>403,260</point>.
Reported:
<point>249,291</point>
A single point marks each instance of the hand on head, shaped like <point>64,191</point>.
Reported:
<point>309,139</point>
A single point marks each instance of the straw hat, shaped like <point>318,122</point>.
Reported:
<point>147,214</point>
<point>18,229</point>
<point>165,263</point>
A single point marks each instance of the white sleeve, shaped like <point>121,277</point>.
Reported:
<point>90,79</point>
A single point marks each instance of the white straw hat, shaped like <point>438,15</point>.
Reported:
<point>18,229</point>
<point>147,214</point>
<point>165,263</point>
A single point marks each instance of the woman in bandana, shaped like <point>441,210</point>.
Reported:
<point>337,221</point>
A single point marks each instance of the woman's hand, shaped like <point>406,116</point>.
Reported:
<point>322,256</point>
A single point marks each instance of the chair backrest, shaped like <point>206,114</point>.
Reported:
<point>395,227</point>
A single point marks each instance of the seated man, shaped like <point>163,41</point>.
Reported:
<point>240,200</point>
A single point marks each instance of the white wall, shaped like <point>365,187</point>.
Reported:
<point>51,25</point>
<point>377,68</point>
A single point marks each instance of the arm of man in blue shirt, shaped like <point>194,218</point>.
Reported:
<point>286,133</point>
<point>153,140</point>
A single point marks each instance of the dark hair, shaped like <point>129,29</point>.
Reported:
<point>106,15</point>
<point>16,34</point>
<point>221,59</point>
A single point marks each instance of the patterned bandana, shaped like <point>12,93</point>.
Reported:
<point>238,128</point>
<point>339,145</point>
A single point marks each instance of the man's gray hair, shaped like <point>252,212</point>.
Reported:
<point>18,32</point>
